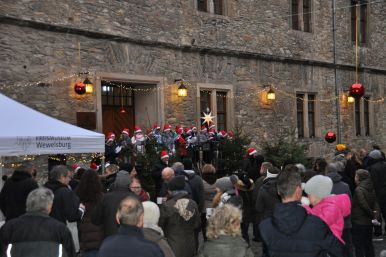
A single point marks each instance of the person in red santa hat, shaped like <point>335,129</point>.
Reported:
<point>180,143</point>
<point>111,154</point>
<point>157,134</point>
<point>126,146</point>
<point>157,170</point>
<point>138,140</point>
<point>252,164</point>
<point>168,138</point>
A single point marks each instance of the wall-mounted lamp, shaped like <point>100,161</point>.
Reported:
<point>89,86</point>
<point>350,99</point>
<point>182,91</point>
<point>271,95</point>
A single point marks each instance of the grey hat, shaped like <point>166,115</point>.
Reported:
<point>319,186</point>
<point>224,184</point>
<point>122,180</point>
<point>375,154</point>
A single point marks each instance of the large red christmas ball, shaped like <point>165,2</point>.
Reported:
<point>80,88</point>
<point>330,137</point>
<point>357,90</point>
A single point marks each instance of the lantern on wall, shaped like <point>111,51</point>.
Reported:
<point>80,88</point>
<point>330,137</point>
<point>350,99</point>
<point>271,94</point>
<point>357,90</point>
<point>89,86</point>
<point>182,90</point>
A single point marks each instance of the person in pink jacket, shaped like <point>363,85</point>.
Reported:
<point>330,208</point>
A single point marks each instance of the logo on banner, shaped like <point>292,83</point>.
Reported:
<point>24,142</point>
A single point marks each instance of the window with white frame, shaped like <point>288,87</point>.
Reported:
<point>218,102</point>
<point>306,115</point>
<point>211,6</point>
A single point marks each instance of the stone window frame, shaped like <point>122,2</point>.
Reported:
<point>317,129</point>
<point>363,131</point>
<point>225,8</point>
<point>300,16</point>
<point>230,116</point>
<point>366,26</point>
<point>160,82</point>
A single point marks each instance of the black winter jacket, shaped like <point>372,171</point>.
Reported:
<point>66,203</point>
<point>291,232</point>
<point>129,242</point>
<point>197,187</point>
<point>156,174</point>
<point>36,234</point>
<point>378,175</point>
<point>14,194</point>
<point>364,203</point>
<point>105,211</point>
<point>267,198</point>
<point>252,165</point>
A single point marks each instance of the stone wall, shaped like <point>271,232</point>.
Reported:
<point>250,47</point>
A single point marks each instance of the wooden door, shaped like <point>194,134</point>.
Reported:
<point>115,121</point>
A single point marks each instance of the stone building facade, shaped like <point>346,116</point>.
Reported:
<point>227,58</point>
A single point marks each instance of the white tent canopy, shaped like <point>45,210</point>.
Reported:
<point>24,131</point>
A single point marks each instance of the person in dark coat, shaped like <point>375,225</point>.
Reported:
<point>258,216</point>
<point>90,192</point>
<point>338,188</point>
<point>129,241</point>
<point>67,206</point>
<point>106,209</point>
<point>363,207</point>
<point>36,233</point>
<point>291,231</point>
<point>156,173</point>
<point>268,197</point>
<point>209,179</point>
<point>252,164</point>
<point>152,231</point>
<point>16,189</point>
<point>179,219</point>
<point>377,171</point>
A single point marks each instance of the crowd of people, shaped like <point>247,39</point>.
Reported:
<point>331,209</point>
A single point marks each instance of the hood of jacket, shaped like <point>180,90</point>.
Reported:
<point>19,175</point>
<point>209,178</point>
<point>184,206</point>
<point>54,185</point>
<point>367,184</point>
<point>335,177</point>
<point>288,218</point>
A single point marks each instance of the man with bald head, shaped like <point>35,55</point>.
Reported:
<point>167,175</point>
<point>130,241</point>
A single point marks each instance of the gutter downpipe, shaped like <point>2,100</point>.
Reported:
<point>338,126</point>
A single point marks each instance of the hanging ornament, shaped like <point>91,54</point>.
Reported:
<point>80,88</point>
<point>357,90</point>
<point>330,137</point>
<point>122,110</point>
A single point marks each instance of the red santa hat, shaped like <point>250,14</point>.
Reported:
<point>179,130</point>
<point>75,167</point>
<point>187,130</point>
<point>111,134</point>
<point>126,131</point>
<point>109,139</point>
<point>211,132</point>
<point>211,125</point>
<point>164,154</point>
<point>193,128</point>
<point>203,128</point>
<point>251,151</point>
<point>167,127</point>
<point>137,129</point>
<point>93,166</point>
<point>231,134</point>
<point>149,132</point>
<point>222,133</point>
<point>156,126</point>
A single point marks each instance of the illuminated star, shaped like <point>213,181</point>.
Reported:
<point>208,118</point>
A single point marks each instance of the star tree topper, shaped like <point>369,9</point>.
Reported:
<point>208,118</point>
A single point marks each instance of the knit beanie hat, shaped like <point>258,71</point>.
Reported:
<point>122,180</point>
<point>177,183</point>
<point>224,184</point>
<point>319,186</point>
<point>151,213</point>
<point>375,154</point>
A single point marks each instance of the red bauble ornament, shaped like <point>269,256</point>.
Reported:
<point>80,88</point>
<point>330,137</point>
<point>357,90</point>
<point>122,111</point>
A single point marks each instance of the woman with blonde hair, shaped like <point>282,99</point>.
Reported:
<point>224,234</point>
